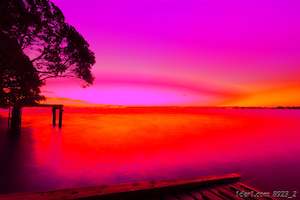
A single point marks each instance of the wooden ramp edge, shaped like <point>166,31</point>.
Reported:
<point>90,192</point>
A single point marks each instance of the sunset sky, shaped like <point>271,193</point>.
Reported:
<point>189,52</point>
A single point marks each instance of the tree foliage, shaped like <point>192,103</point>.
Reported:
<point>55,48</point>
<point>19,81</point>
<point>39,37</point>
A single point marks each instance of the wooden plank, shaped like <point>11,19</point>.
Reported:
<point>185,196</point>
<point>250,188</point>
<point>237,187</point>
<point>225,191</point>
<point>241,187</point>
<point>246,187</point>
<point>211,195</point>
<point>124,188</point>
<point>197,195</point>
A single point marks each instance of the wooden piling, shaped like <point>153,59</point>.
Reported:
<point>9,117</point>
<point>54,116</point>
<point>60,117</point>
<point>16,119</point>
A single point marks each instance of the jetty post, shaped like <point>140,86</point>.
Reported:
<point>60,116</point>
<point>15,118</point>
<point>53,116</point>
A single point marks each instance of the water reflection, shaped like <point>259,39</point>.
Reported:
<point>113,146</point>
<point>15,158</point>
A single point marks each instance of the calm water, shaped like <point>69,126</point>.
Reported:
<point>111,146</point>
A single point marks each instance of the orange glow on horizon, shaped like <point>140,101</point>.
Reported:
<point>286,95</point>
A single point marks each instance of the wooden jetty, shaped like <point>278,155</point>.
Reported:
<point>54,107</point>
<point>204,188</point>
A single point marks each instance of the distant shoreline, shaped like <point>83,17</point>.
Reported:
<point>178,107</point>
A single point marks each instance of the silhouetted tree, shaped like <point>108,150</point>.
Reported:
<point>55,48</point>
<point>37,44</point>
<point>19,81</point>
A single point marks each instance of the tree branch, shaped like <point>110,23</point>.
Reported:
<point>67,60</point>
<point>44,72</point>
<point>56,76</point>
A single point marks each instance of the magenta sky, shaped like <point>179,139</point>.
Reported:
<point>189,52</point>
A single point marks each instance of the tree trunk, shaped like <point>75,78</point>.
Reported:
<point>16,118</point>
